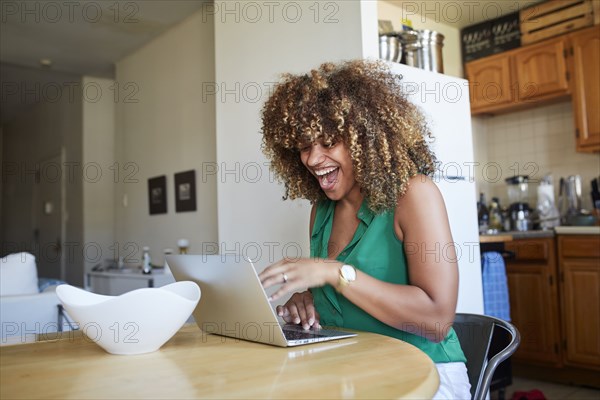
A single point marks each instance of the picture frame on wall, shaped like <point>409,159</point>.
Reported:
<point>185,191</point>
<point>157,195</point>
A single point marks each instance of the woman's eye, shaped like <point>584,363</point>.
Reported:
<point>304,149</point>
<point>330,145</point>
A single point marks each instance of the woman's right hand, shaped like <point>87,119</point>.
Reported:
<point>300,310</point>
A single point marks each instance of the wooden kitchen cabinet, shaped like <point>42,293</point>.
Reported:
<point>533,296</point>
<point>541,70</point>
<point>489,82</point>
<point>554,290</point>
<point>552,70</point>
<point>579,265</point>
<point>585,67</point>
<point>519,78</point>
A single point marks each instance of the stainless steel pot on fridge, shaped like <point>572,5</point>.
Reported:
<point>423,49</point>
<point>390,47</point>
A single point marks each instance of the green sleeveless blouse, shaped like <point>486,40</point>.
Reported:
<point>376,251</point>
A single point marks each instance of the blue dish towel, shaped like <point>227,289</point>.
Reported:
<point>495,286</point>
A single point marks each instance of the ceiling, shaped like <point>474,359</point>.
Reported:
<point>88,37</point>
<point>78,38</point>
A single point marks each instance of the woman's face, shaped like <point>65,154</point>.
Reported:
<point>331,165</point>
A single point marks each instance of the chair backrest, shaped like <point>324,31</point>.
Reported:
<point>475,333</point>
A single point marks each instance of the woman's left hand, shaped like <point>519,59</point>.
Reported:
<point>299,274</point>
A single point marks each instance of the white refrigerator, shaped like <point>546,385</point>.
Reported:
<point>445,102</point>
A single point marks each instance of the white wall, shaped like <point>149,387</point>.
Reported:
<point>98,132</point>
<point>252,54</point>
<point>420,16</point>
<point>165,127</point>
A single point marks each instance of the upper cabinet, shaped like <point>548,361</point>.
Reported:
<point>585,64</point>
<point>541,70</point>
<point>552,70</point>
<point>519,78</point>
<point>490,83</point>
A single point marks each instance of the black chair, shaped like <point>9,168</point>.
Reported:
<point>475,335</point>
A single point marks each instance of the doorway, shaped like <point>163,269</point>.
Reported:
<point>48,218</point>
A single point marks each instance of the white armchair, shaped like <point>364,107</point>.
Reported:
<point>25,311</point>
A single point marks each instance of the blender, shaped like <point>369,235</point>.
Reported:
<point>518,198</point>
<point>574,214</point>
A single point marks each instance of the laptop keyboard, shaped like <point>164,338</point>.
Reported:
<point>300,334</point>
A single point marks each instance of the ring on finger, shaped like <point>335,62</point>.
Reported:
<point>285,277</point>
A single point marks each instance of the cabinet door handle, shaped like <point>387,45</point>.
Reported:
<point>58,245</point>
<point>509,255</point>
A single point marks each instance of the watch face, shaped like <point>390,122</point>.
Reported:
<point>349,273</point>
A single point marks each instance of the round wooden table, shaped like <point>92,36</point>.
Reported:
<point>195,365</point>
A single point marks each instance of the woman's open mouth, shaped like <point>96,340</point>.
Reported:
<point>327,177</point>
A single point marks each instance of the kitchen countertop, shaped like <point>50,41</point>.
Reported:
<point>531,234</point>
<point>558,230</point>
<point>577,230</point>
<point>497,237</point>
<point>130,273</point>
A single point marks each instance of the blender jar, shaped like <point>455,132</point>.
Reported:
<point>518,189</point>
<point>518,198</point>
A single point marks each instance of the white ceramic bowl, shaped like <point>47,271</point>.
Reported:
<point>140,321</point>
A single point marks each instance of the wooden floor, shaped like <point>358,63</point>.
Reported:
<point>552,391</point>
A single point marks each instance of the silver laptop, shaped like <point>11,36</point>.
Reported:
<point>233,302</point>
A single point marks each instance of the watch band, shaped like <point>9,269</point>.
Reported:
<point>343,282</point>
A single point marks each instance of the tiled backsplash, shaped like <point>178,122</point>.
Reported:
<point>533,142</point>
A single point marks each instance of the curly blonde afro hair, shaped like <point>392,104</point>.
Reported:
<point>360,103</point>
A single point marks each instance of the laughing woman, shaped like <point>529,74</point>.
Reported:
<point>346,138</point>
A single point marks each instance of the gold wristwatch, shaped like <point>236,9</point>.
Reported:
<point>347,276</point>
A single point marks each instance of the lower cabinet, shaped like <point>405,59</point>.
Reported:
<point>534,307</point>
<point>580,297</point>
<point>554,289</point>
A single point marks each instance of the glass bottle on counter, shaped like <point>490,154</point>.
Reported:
<point>495,216</point>
<point>482,214</point>
<point>506,221</point>
<point>146,262</point>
